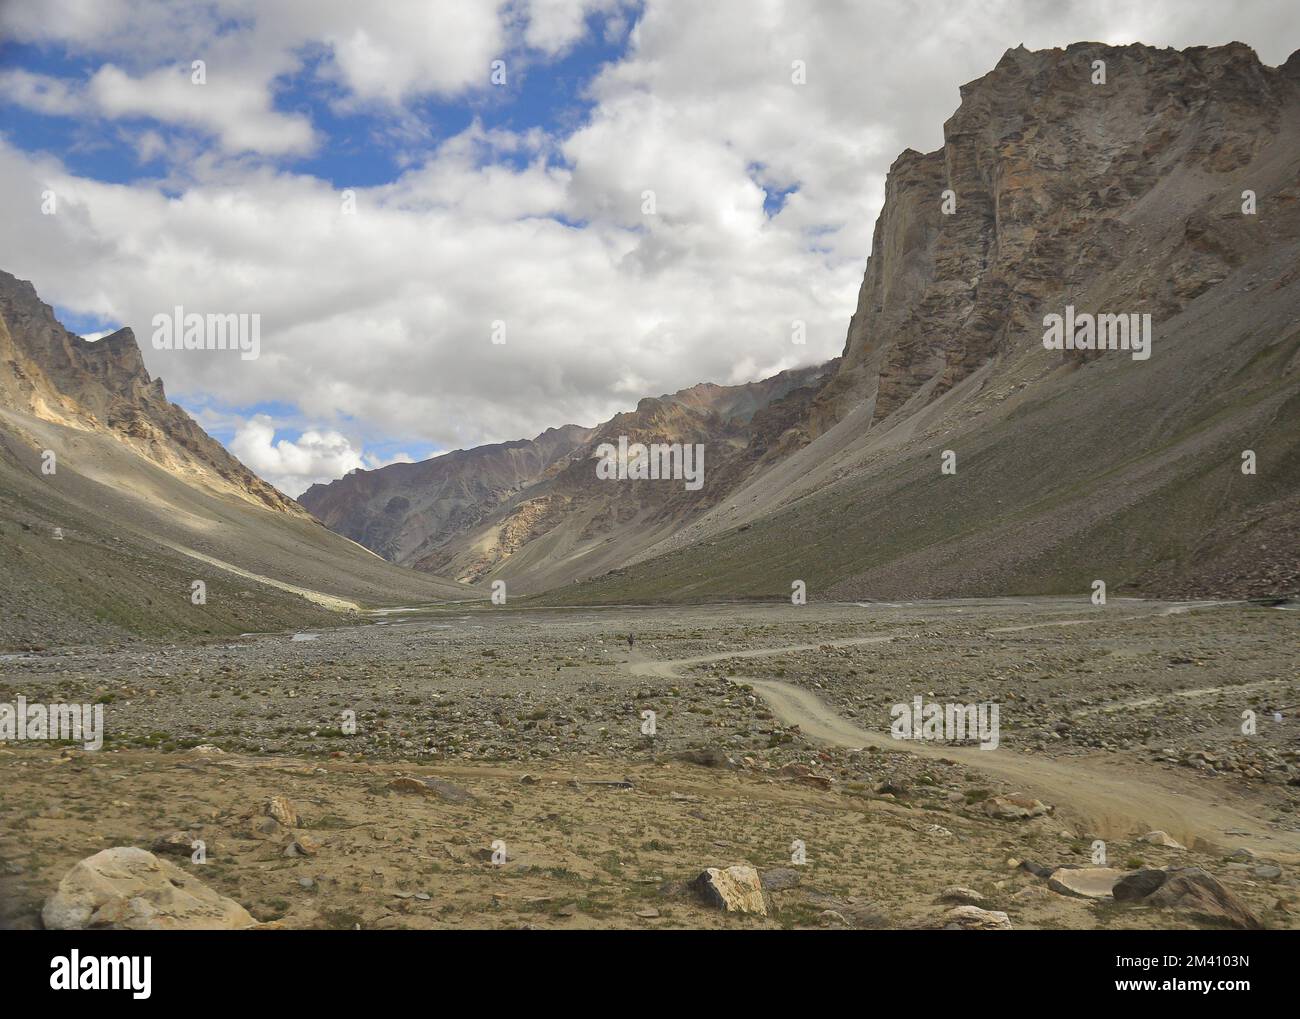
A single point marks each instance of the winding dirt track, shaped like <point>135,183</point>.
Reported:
<point>1111,796</point>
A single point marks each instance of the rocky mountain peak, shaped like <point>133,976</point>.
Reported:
<point>52,374</point>
<point>1074,174</point>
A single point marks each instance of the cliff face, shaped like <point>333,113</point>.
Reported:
<point>103,386</point>
<point>1064,190</point>
<point>1171,189</point>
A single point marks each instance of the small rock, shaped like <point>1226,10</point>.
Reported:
<point>1161,838</point>
<point>1015,808</point>
<point>280,808</point>
<point>956,893</point>
<point>972,918</point>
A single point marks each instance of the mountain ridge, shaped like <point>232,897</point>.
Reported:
<point>114,502</point>
<point>1118,196</point>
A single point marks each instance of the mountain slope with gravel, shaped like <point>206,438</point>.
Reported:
<point>113,502</point>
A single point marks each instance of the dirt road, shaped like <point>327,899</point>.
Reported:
<point>1109,796</point>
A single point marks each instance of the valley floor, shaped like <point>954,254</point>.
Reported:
<point>771,725</point>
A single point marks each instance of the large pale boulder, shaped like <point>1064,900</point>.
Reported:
<point>126,888</point>
<point>736,889</point>
<point>1085,882</point>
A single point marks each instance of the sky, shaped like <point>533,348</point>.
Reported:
<point>466,221</point>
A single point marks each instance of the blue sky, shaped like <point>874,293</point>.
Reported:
<point>651,200</point>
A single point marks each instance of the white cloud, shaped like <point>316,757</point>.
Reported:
<point>41,93</point>
<point>234,109</point>
<point>555,25</point>
<point>400,50</point>
<point>293,466</point>
<point>379,323</point>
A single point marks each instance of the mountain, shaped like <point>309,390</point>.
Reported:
<point>534,513</point>
<point>1154,184</point>
<point>144,502</point>
<point>1127,197</point>
<point>402,511</point>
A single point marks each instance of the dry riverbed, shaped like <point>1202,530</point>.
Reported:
<point>1133,713</point>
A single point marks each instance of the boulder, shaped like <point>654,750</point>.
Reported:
<point>1085,882</point>
<point>736,889</point>
<point>1161,838</point>
<point>1015,808</point>
<point>779,879</point>
<point>1138,885</point>
<point>126,888</point>
<point>432,787</point>
<point>1200,894</point>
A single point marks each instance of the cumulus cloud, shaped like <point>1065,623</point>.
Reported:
<point>380,324</point>
<point>294,465</point>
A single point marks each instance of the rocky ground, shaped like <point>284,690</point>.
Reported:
<point>529,724</point>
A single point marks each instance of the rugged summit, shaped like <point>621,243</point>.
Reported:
<point>56,376</point>
<point>1110,192</point>
<point>113,502</point>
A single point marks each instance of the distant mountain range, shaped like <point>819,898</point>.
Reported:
<point>947,452</point>
<point>535,513</point>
